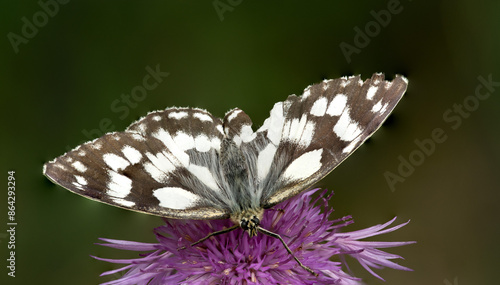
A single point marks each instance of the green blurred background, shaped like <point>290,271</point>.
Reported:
<point>63,85</point>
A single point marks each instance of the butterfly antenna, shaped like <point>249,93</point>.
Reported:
<point>275,235</point>
<point>211,235</point>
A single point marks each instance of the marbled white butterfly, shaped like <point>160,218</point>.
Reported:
<point>185,163</point>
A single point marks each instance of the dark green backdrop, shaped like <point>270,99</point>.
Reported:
<point>63,78</point>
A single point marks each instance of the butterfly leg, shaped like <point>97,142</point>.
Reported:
<point>211,235</point>
<point>275,235</point>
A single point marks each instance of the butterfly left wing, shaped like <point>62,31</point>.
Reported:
<point>307,136</point>
<point>165,164</point>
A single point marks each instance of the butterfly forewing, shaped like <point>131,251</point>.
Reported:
<point>164,164</point>
<point>307,136</point>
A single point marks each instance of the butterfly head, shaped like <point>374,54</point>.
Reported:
<point>249,220</point>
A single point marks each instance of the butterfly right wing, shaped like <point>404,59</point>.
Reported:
<point>165,164</point>
<point>307,136</point>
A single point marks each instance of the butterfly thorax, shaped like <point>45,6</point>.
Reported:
<point>248,220</point>
<point>236,174</point>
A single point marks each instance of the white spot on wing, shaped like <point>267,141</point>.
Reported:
<point>219,128</point>
<point>351,146</point>
<point>132,154</point>
<point>202,143</point>
<point>247,133</point>
<point>115,162</point>
<point>300,131</point>
<point>203,117</point>
<point>138,137</point>
<point>384,108</point>
<point>96,145</point>
<point>175,198</point>
<point>371,92</point>
<point>167,140</point>
<point>326,82</point>
<point>346,128</point>
<point>204,175</point>
<point>119,185</point>
<point>237,140</point>
<point>304,166</point>
<point>177,115</point>
<point>162,161</point>
<point>156,118</point>
<point>122,202</point>
<point>58,165</point>
<point>79,166</point>
<point>184,141</point>
<point>337,105</point>
<point>319,107</point>
<point>344,82</point>
<point>276,121</point>
<point>215,143</point>
<point>377,107</point>
<point>233,115</point>
<point>78,186</point>
<point>155,173</point>
<point>307,134</point>
<point>307,92</point>
<point>297,128</point>
<point>80,180</point>
<point>264,161</point>
<point>141,128</point>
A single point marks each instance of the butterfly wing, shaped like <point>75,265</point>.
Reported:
<point>167,163</point>
<point>164,164</point>
<point>307,136</point>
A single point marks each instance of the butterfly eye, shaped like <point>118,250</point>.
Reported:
<point>244,224</point>
<point>255,220</point>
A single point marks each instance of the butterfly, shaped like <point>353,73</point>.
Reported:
<point>184,163</point>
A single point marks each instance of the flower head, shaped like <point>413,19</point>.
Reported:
<point>235,258</point>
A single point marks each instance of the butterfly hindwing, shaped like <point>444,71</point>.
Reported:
<point>164,164</point>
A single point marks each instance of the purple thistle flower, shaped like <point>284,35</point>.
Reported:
<point>235,258</point>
